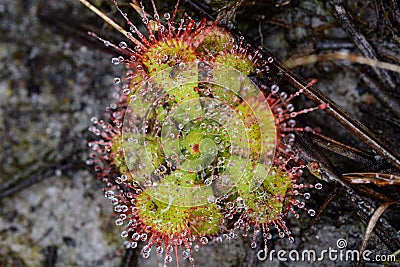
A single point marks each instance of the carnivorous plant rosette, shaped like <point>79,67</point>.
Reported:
<point>193,150</point>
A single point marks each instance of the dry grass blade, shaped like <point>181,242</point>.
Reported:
<point>341,149</point>
<point>361,42</point>
<point>341,116</point>
<point>306,60</point>
<point>379,179</point>
<point>109,21</point>
<point>372,222</point>
<point>136,6</point>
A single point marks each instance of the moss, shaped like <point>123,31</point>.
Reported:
<point>10,258</point>
<point>14,252</point>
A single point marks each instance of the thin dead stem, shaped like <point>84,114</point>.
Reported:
<point>306,60</point>
<point>372,222</point>
<point>109,21</point>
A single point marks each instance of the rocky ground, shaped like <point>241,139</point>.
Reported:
<point>54,78</point>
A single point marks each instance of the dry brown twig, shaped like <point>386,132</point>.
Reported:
<point>306,60</point>
<point>372,222</point>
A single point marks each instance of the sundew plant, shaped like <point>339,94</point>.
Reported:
<point>193,151</point>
